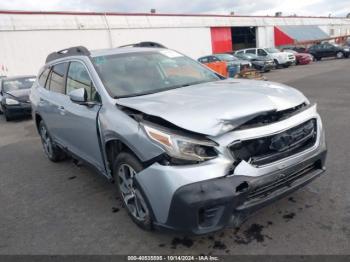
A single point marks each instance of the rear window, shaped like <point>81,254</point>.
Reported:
<point>56,81</point>
<point>43,77</point>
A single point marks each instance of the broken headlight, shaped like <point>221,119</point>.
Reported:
<point>181,147</point>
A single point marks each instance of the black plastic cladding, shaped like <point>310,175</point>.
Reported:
<point>228,206</point>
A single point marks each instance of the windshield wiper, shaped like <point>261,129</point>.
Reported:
<point>7,93</point>
<point>162,89</point>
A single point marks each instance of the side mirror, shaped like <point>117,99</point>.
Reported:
<point>78,95</point>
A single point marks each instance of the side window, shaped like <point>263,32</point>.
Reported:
<point>56,80</point>
<point>78,77</point>
<point>213,59</point>
<point>261,52</point>
<point>203,60</point>
<point>43,77</point>
<point>250,51</point>
<point>239,52</point>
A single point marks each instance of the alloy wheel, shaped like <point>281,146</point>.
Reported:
<point>132,197</point>
<point>46,141</point>
<point>340,55</point>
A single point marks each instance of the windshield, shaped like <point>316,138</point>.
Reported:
<point>226,57</point>
<point>272,50</point>
<point>18,83</point>
<point>142,73</point>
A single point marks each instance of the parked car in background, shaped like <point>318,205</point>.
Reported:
<point>14,96</point>
<point>301,58</point>
<point>232,60</point>
<point>261,63</point>
<point>188,150</point>
<point>298,49</point>
<point>280,58</point>
<point>320,51</point>
<point>234,65</point>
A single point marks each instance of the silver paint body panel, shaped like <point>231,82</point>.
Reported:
<point>211,109</point>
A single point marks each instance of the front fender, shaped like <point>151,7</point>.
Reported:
<point>117,125</point>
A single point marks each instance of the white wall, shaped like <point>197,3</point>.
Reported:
<point>194,42</point>
<point>265,36</point>
<point>26,39</point>
<point>24,52</point>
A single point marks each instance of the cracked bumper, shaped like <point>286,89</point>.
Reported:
<point>212,205</point>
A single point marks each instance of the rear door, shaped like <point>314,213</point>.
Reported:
<point>52,99</point>
<point>327,50</point>
<point>80,120</point>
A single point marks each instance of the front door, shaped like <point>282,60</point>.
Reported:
<point>81,120</point>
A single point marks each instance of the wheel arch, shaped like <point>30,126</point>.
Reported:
<point>115,146</point>
<point>37,119</point>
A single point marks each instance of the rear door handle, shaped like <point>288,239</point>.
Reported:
<point>61,109</point>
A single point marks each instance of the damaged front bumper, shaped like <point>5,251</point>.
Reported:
<point>211,205</point>
<point>207,197</point>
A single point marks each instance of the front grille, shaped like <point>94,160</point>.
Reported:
<point>283,181</point>
<point>265,150</point>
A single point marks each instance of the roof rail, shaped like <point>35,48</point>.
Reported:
<point>72,51</point>
<point>145,44</point>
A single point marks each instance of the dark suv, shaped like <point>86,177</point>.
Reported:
<point>328,50</point>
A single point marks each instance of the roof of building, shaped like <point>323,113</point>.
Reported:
<point>304,32</point>
<point>19,12</point>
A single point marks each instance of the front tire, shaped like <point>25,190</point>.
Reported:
<point>125,168</point>
<point>53,152</point>
<point>7,117</point>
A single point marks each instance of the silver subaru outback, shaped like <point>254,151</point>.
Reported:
<point>187,149</point>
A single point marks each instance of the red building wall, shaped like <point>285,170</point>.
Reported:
<point>281,38</point>
<point>221,39</point>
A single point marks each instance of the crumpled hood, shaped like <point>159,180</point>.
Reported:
<point>19,94</point>
<point>217,107</point>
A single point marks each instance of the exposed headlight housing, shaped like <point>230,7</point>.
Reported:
<point>9,101</point>
<point>181,147</point>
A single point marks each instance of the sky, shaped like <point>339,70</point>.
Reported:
<point>239,7</point>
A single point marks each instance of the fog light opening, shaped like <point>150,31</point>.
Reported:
<point>242,187</point>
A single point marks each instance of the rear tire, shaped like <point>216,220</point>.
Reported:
<point>340,55</point>
<point>125,167</point>
<point>52,151</point>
